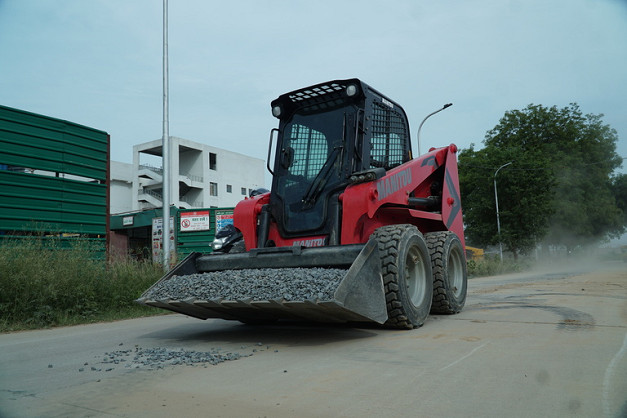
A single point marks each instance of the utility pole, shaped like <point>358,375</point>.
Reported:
<point>165,147</point>
<point>427,117</point>
<point>498,221</point>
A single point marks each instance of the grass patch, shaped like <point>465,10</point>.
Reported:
<point>492,265</point>
<point>43,284</point>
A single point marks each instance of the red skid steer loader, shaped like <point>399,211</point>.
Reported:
<point>353,230</point>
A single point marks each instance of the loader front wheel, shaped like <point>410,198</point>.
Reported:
<point>450,277</point>
<point>407,278</point>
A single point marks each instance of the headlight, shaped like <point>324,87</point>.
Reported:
<point>218,243</point>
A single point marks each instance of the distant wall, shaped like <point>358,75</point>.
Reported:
<point>120,187</point>
<point>53,176</point>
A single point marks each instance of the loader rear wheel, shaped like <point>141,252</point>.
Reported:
<point>407,278</point>
<point>450,278</point>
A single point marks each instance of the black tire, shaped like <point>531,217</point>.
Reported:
<point>407,278</point>
<point>450,277</point>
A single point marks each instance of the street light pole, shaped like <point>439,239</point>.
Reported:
<point>165,148</point>
<point>498,221</point>
<point>427,117</point>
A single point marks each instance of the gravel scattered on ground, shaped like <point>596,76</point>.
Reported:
<point>160,357</point>
<point>288,284</point>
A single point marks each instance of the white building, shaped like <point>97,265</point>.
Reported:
<point>202,176</point>
<point>120,187</point>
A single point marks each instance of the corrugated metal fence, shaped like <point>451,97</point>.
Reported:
<point>53,176</point>
<point>199,240</point>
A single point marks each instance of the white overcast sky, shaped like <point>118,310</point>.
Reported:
<point>99,62</point>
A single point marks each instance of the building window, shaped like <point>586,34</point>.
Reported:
<point>213,189</point>
<point>229,188</point>
<point>213,158</point>
<point>243,191</point>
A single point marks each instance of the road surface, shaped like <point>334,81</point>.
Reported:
<point>526,345</point>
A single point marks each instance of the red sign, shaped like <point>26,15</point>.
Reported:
<point>195,221</point>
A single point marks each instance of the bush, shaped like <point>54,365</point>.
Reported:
<point>43,284</point>
<point>492,265</point>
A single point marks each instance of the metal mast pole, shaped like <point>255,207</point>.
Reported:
<point>498,221</point>
<point>427,117</point>
<point>165,147</point>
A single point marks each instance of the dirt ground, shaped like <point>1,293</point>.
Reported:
<point>550,343</point>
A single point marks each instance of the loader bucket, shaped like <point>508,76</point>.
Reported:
<point>353,290</point>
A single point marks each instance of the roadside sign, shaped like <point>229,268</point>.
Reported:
<point>223,218</point>
<point>195,221</point>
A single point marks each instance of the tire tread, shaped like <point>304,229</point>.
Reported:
<point>388,238</point>
<point>441,303</point>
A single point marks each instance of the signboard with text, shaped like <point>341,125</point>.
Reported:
<point>195,221</point>
<point>157,240</point>
<point>223,218</point>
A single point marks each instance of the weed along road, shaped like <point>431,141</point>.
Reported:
<point>526,345</point>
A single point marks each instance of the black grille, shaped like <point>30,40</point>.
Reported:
<point>388,141</point>
<point>320,97</point>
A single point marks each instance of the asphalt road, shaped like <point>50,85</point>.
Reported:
<point>526,345</point>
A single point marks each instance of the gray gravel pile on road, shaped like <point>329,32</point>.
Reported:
<point>288,284</point>
<point>159,357</point>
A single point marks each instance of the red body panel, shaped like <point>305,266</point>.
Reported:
<point>368,206</point>
<point>245,218</point>
<point>308,241</point>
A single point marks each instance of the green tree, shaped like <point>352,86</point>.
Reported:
<point>559,184</point>
<point>619,190</point>
<point>523,187</point>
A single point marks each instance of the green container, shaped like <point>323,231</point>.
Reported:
<point>197,228</point>
<point>53,176</point>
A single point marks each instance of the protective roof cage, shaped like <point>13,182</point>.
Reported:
<point>320,97</point>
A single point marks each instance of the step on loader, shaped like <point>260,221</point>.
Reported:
<point>354,228</point>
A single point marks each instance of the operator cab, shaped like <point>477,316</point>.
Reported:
<point>327,133</point>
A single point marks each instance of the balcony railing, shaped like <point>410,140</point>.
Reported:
<point>152,193</point>
<point>191,202</point>
<point>158,170</point>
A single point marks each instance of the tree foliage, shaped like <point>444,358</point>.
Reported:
<point>619,189</point>
<point>559,187</point>
<point>524,190</point>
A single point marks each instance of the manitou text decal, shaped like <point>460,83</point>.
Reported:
<point>388,185</point>
<point>315,242</point>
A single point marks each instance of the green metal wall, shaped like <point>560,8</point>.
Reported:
<point>199,241</point>
<point>186,241</point>
<point>51,203</point>
<point>30,202</point>
<point>44,143</point>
